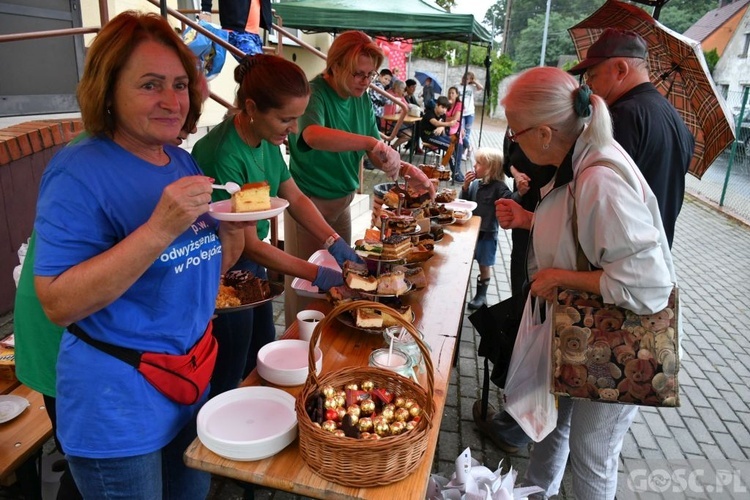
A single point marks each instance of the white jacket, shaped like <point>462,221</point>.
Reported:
<point>619,227</point>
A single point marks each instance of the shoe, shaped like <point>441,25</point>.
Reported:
<point>480,299</point>
<point>485,426</point>
<point>458,177</point>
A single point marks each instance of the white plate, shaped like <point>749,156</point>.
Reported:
<point>461,205</point>
<point>222,210</point>
<point>12,406</point>
<point>285,362</point>
<point>249,423</point>
<point>306,289</point>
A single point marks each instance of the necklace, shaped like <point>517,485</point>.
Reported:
<point>240,126</point>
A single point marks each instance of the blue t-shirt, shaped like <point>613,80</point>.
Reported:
<point>94,194</point>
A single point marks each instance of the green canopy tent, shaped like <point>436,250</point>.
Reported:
<point>419,20</point>
<point>394,19</point>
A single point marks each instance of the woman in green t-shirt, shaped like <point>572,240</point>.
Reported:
<point>273,93</point>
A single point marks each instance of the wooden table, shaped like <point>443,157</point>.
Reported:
<point>408,120</point>
<point>21,437</point>
<point>439,311</point>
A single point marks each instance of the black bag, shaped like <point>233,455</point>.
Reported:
<point>498,326</point>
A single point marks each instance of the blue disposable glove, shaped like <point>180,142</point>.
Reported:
<point>343,252</point>
<point>328,278</point>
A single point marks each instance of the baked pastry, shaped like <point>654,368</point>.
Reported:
<point>359,282</point>
<point>253,290</point>
<point>368,318</point>
<point>396,247</point>
<point>416,277</point>
<point>404,312</point>
<point>392,284</point>
<point>402,224</point>
<point>253,197</point>
<point>446,195</point>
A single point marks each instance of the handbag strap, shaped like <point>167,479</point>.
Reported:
<point>129,356</point>
<point>582,262</point>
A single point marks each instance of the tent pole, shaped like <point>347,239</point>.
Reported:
<point>487,81</point>
<point>457,157</point>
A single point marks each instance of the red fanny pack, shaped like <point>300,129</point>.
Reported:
<point>183,378</point>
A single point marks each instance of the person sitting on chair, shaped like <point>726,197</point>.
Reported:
<point>434,130</point>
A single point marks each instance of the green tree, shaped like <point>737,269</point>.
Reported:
<point>529,45</point>
<point>679,15</point>
<point>712,57</point>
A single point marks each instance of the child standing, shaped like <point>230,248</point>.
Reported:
<point>484,185</point>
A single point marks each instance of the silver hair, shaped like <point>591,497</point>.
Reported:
<point>546,96</point>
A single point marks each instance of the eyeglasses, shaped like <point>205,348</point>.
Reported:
<point>362,76</point>
<point>513,136</point>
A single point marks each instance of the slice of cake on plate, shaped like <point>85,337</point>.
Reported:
<point>359,282</point>
<point>396,247</point>
<point>368,318</point>
<point>253,197</point>
<point>392,284</point>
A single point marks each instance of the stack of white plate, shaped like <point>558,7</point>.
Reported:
<point>285,362</point>
<point>249,423</point>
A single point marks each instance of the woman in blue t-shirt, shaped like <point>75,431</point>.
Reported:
<point>127,252</point>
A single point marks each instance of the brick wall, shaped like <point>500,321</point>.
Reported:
<point>25,150</point>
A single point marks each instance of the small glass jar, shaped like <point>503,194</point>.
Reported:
<point>404,341</point>
<point>396,361</point>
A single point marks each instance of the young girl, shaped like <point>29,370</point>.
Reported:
<point>485,184</point>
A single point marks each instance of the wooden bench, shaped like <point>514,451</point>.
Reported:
<point>23,436</point>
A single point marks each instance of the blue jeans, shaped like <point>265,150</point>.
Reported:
<point>160,474</point>
<point>443,142</point>
<point>468,123</point>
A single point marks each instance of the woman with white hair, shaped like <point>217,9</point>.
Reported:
<point>597,187</point>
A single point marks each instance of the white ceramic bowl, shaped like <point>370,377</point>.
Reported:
<point>284,362</point>
<point>249,423</point>
<point>462,220</point>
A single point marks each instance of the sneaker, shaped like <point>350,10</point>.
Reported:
<point>458,177</point>
<point>485,426</point>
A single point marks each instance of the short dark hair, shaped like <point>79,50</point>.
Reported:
<point>410,82</point>
<point>443,101</point>
<point>386,71</point>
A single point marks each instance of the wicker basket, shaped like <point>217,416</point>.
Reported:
<point>356,462</point>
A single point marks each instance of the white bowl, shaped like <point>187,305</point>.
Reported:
<point>462,220</point>
<point>249,423</point>
<point>284,362</point>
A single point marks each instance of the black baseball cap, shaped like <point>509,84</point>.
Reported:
<point>612,43</point>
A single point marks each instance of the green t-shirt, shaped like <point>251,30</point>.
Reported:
<point>37,339</point>
<point>326,174</point>
<point>223,155</point>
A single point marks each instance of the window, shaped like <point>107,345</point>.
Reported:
<point>747,45</point>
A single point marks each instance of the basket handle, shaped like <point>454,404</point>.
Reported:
<point>346,307</point>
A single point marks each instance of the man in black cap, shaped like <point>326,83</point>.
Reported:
<point>645,123</point>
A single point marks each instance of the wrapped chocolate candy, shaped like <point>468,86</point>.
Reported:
<point>367,407</point>
<point>351,387</point>
<point>397,428</point>
<point>329,391</point>
<point>415,410</point>
<point>382,428</point>
<point>340,400</point>
<point>411,425</point>
<point>401,414</point>
<point>365,424</point>
<point>388,414</point>
<point>368,385</point>
<point>340,413</point>
<point>399,401</point>
<point>353,410</point>
<point>331,403</point>
<point>329,425</point>
<point>339,433</point>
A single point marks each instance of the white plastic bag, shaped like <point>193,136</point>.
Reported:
<point>527,389</point>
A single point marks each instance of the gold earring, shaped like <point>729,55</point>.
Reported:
<point>545,146</point>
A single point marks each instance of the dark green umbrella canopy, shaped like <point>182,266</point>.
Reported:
<point>394,19</point>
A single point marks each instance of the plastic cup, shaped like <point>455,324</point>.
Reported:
<point>307,320</point>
